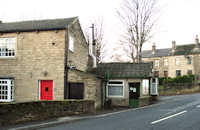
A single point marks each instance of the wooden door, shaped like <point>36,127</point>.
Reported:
<point>134,90</point>
<point>76,90</point>
<point>46,90</point>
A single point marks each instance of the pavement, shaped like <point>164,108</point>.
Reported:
<point>170,113</point>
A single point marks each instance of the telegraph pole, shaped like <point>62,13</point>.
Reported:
<point>93,40</point>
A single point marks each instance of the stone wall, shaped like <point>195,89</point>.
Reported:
<point>92,85</point>
<point>178,89</point>
<point>39,56</point>
<point>79,57</point>
<point>196,63</point>
<point>124,101</point>
<point>29,111</point>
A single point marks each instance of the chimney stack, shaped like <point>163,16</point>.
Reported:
<point>173,46</point>
<point>153,48</point>
<point>197,40</point>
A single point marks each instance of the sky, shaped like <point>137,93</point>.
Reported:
<point>179,19</point>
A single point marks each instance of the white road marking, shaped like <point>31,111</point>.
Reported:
<point>198,106</point>
<point>154,122</point>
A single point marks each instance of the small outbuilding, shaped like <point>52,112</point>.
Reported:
<point>127,84</point>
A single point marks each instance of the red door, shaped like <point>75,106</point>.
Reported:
<point>46,90</point>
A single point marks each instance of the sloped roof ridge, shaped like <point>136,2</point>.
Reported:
<point>40,20</point>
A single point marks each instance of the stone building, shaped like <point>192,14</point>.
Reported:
<point>128,84</point>
<point>175,61</point>
<point>45,60</point>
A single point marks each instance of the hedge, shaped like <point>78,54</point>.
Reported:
<point>179,79</point>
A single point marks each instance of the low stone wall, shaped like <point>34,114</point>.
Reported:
<point>144,101</point>
<point>178,90</point>
<point>147,101</point>
<point>13,113</point>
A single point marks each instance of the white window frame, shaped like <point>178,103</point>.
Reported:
<point>9,83</point>
<point>165,62</point>
<point>157,62</point>
<point>3,41</point>
<point>177,61</point>
<point>71,43</point>
<point>145,86</point>
<point>123,85</point>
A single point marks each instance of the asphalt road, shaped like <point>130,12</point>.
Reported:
<point>173,113</point>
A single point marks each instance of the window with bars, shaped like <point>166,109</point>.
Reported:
<point>7,47</point>
<point>115,89</point>
<point>6,90</point>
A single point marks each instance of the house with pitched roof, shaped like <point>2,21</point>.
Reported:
<point>128,84</point>
<point>46,60</point>
<point>175,61</point>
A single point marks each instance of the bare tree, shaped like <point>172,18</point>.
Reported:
<point>100,49</point>
<point>138,16</point>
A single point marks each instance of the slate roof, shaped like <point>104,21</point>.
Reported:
<point>124,70</point>
<point>158,53</point>
<point>180,50</point>
<point>36,25</point>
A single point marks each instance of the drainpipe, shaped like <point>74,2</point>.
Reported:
<point>65,63</point>
<point>94,65</point>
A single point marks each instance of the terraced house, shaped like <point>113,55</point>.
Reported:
<point>39,59</point>
<point>175,61</point>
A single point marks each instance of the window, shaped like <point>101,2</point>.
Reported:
<point>7,47</point>
<point>177,60</point>
<point>156,73</point>
<point>6,90</point>
<point>189,60</point>
<point>189,72</point>
<point>71,43</point>
<point>178,73</point>
<point>156,63</point>
<point>166,74</point>
<point>115,89</point>
<point>165,62</point>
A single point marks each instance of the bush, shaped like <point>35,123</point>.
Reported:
<point>179,79</point>
<point>161,80</point>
